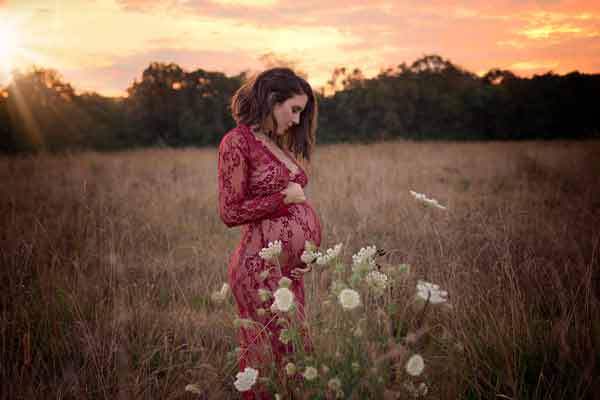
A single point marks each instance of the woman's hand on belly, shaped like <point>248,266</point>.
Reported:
<point>293,193</point>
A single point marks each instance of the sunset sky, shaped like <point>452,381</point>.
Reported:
<point>103,45</point>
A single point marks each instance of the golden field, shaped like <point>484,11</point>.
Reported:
<point>108,262</point>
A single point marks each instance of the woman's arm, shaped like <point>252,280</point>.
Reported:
<point>234,206</point>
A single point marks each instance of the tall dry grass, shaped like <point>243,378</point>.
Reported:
<point>108,262</point>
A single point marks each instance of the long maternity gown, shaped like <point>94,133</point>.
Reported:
<point>251,178</point>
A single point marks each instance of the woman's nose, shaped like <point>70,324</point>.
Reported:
<point>296,119</point>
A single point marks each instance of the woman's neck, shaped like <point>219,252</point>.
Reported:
<point>260,134</point>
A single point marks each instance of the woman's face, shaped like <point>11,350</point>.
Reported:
<point>288,113</point>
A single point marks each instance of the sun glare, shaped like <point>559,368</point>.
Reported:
<point>9,48</point>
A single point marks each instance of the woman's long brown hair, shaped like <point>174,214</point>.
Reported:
<point>253,104</point>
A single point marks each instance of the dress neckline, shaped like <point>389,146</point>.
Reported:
<point>273,156</point>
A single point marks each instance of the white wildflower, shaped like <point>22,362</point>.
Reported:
<point>284,299</point>
<point>246,379</point>
<point>264,294</point>
<point>290,369</point>
<point>309,257</point>
<point>377,281</point>
<point>221,295</point>
<point>427,201</point>
<point>334,384</point>
<point>330,255</point>
<point>322,259</point>
<point>364,258</point>
<point>349,299</point>
<point>324,369</point>
<point>364,254</point>
<point>431,292</point>
<point>415,365</point>
<point>310,373</point>
<point>193,389</point>
<point>272,252</point>
<point>310,254</point>
<point>285,282</point>
<point>355,366</point>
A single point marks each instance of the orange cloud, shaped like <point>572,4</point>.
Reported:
<point>533,65</point>
<point>542,25</point>
<point>104,44</point>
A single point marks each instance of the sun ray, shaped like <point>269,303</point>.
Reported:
<point>18,45</point>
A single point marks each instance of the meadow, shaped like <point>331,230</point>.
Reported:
<point>108,262</point>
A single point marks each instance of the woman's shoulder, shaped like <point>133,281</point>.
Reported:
<point>236,137</point>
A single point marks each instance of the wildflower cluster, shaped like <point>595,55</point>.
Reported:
<point>246,379</point>
<point>377,281</point>
<point>271,252</point>
<point>284,300</point>
<point>330,255</point>
<point>364,257</point>
<point>355,345</point>
<point>310,254</point>
<point>349,299</point>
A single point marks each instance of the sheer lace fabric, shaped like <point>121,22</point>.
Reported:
<point>250,179</point>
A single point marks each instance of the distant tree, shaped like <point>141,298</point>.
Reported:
<point>432,98</point>
<point>177,108</point>
<point>41,111</point>
<point>106,122</point>
<point>498,76</point>
<point>153,103</point>
<point>7,140</point>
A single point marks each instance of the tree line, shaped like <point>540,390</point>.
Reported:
<point>429,99</point>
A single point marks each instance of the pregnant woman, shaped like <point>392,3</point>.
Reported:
<point>261,189</point>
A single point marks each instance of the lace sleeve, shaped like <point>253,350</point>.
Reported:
<point>236,207</point>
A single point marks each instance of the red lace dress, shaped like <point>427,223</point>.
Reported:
<point>250,179</point>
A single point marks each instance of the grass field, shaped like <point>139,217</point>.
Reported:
<point>108,262</point>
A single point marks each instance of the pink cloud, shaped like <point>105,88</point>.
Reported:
<point>117,77</point>
<point>476,35</point>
